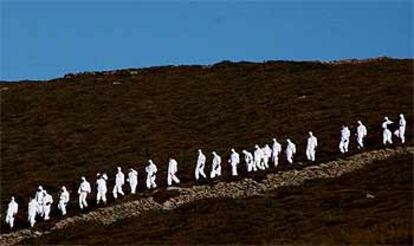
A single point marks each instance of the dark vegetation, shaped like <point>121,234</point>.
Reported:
<point>54,132</point>
<point>326,211</point>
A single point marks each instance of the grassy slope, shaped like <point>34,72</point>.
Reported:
<point>54,132</point>
<point>331,211</point>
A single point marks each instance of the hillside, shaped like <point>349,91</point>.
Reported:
<point>319,211</point>
<point>53,132</point>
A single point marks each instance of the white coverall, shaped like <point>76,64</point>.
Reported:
<point>311,145</point>
<point>267,154</point>
<point>31,211</point>
<point>216,165</point>
<point>172,170</point>
<point>201,161</point>
<point>400,133</point>
<point>47,204</point>
<point>133,180</point>
<point>248,158</point>
<point>386,134</point>
<point>290,151</point>
<point>119,182</point>
<point>12,209</point>
<point>344,143</point>
<point>83,191</point>
<point>361,134</point>
<point>39,199</point>
<point>234,161</point>
<point>258,156</point>
<point>63,200</point>
<point>276,150</point>
<point>151,170</point>
<point>101,188</point>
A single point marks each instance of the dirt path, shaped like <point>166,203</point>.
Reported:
<point>238,189</point>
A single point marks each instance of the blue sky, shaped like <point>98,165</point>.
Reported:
<point>44,40</point>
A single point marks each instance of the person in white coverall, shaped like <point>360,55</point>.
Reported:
<point>83,191</point>
<point>248,158</point>
<point>119,182</point>
<point>267,154</point>
<point>386,134</point>
<point>32,211</point>
<point>47,204</point>
<point>151,171</point>
<point>216,165</point>
<point>290,150</point>
<point>132,180</point>
<point>344,143</point>
<point>276,150</point>
<point>101,188</point>
<point>234,160</point>
<point>400,133</point>
<point>63,200</point>
<point>361,134</point>
<point>258,157</point>
<point>311,145</point>
<point>39,200</point>
<point>12,209</point>
<point>201,161</point>
<point>172,170</point>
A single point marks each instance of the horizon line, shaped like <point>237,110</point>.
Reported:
<point>331,61</point>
